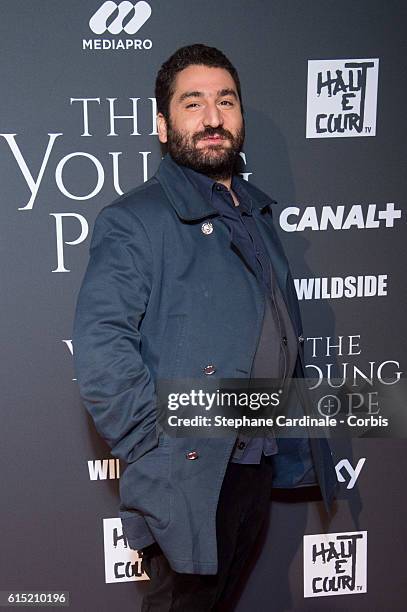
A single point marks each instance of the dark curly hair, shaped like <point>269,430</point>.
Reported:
<point>197,54</point>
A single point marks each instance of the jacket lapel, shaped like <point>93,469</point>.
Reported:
<point>274,249</point>
<point>183,195</point>
<point>191,206</point>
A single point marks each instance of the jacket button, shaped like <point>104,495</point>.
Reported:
<point>301,339</point>
<point>209,369</point>
<point>192,455</point>
<point>284,340</point>
<point>207,227</point>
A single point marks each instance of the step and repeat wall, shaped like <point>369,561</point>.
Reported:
<point>324,86</point>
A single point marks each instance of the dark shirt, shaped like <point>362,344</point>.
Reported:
<point>277,330</point>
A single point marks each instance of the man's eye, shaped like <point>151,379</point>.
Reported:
<point>226,103</point>
<point>192,105</point>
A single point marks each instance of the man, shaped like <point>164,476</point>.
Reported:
<point>187,279</point>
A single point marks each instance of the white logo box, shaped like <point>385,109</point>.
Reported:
<point>122,564</point>
<point>335,563</point>
<point>342,98</point>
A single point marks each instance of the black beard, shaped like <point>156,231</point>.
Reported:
<point>217,167</point>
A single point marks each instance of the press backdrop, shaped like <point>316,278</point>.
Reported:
<point>324,86</point>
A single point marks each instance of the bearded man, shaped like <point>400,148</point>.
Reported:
<point>187,278</point>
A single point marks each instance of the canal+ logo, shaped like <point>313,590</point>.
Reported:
<point>342,98</point>
<point>118,18</point>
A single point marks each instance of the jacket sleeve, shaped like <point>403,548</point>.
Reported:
<point>115,384</point>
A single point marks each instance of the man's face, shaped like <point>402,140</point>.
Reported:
<point>205,130</point>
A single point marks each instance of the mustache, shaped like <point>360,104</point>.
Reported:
<point>211,131</point>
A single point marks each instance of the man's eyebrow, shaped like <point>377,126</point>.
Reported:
<point>190,94</point>
<point>227,92</point>
<point>199,94</point>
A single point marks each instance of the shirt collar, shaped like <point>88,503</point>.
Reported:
<point>206,187</point>
<point>188,202</point>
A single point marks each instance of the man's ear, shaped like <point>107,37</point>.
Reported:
<point>161,128</point>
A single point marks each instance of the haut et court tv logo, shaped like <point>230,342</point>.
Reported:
<point>342,98</point>
<point>122,564</point>
<point>335,564</point>
<point>118,18</point>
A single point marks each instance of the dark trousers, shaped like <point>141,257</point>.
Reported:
<point>243,506</point>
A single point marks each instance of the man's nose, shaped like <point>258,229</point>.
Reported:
<point>213,115</point>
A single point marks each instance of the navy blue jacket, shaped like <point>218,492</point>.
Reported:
<point>163,299</point>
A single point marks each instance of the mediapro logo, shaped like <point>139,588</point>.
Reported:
<point>118,18</point>
<point>140,13</point>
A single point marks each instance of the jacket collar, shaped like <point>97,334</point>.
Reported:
<point>207,187</point>
<point>189,203</point>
